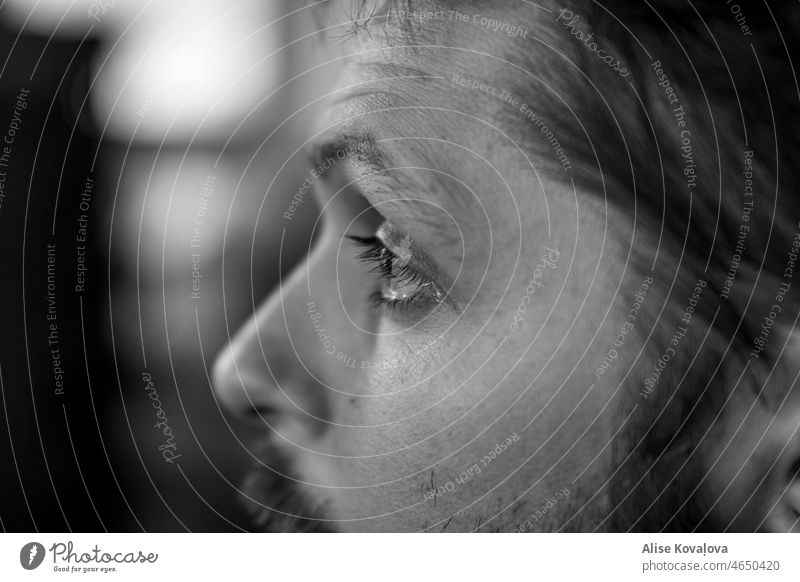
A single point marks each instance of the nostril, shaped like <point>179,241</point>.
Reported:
<point>261,410</point>
<point>260,415</point>
<point>262,384</point>
<point>247,389</point>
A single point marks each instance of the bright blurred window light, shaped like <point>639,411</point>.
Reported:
<point>176,71</point>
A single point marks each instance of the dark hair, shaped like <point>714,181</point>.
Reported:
<point>696,145</point>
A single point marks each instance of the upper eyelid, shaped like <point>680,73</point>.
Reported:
<point>410,274</point>
<point>422,261</point>
<point>370,244</point>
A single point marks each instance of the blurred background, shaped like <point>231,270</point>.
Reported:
<point>147,156</point>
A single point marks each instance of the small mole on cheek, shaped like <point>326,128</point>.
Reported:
<point>355,402</point>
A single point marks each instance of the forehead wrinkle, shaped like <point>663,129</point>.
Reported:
<point>374,87</point>
<point>376,71</point>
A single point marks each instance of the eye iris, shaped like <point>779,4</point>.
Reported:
<point>402,289</point>
<point>396,287</point>
<point>405,285</point>
<point>392,291</point>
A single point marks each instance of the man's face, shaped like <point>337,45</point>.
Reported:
<point>439,372</point>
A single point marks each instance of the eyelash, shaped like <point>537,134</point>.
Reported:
<point>387,265</point>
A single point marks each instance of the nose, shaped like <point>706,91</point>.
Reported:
<point>261,373</point>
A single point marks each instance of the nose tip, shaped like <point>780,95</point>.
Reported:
<point>240,390</point>
<point>254,387</point>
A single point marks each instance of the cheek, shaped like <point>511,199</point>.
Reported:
<point>424,402</point>
<point>445,434</point>
<point>403,398</point>
<point>409,416</point>
<point>413,387</point>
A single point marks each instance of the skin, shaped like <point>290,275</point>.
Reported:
<point>373,425</point>
<point>434,391</point>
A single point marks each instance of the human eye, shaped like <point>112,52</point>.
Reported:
<point>408,289</point>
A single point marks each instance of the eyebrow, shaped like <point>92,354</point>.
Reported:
<point>363,148</point>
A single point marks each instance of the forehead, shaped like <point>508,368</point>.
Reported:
<point>492,61</point>
<point>430,54</point>
<point>406,23</point>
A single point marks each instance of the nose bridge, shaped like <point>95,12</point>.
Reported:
<point>291,358</point>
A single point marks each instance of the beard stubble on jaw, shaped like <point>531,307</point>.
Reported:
<point>276,500</point>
